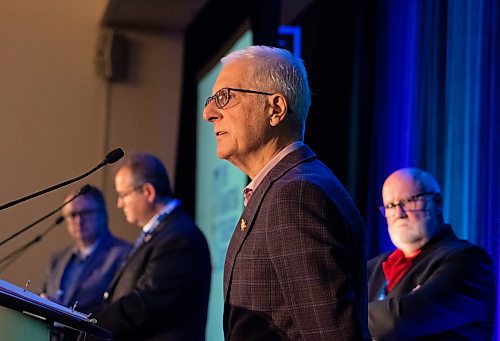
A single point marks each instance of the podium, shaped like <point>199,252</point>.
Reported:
<point>27,316</point>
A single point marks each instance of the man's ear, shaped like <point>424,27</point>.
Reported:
<point>149,192</point>
<point>278,109</point>
<point>438,199</point>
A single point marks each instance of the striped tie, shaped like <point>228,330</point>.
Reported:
<point>247,194</point>
<point>138,242</point>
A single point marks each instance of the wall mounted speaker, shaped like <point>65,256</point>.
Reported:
<point>111,59</point>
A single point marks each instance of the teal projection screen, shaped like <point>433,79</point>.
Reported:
<point>219,199</point>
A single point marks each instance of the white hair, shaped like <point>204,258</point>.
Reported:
<point>277,70</point>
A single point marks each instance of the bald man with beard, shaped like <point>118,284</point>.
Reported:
<point>434,286</point>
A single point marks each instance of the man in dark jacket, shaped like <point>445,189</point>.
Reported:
<point>162,291</point>
<point>79,274</point>
<point>434,286</point>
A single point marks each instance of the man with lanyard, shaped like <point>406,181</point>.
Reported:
<point>162,290</point>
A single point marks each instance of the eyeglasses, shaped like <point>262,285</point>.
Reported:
<point>411,204</point>
<point>123,195</point>
<point>223,96</point>
<point>82,214</point>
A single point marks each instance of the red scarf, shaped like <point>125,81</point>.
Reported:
<point>395,267</point>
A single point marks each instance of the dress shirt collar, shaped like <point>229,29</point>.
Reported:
<point>85,251</point>
<point>248,190</point>
<point>157,218</point>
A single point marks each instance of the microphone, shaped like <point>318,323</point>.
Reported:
<point>112,157</point>
<point>59,220</point>
<point>82,191</point>
<point>14,255</point>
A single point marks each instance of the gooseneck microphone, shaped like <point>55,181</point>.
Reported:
<point>82,191</point>
<point>14,255</point>
<point>112,157</point>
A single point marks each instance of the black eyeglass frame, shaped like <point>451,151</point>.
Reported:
<point>125,194</point>
<point>403,202</point>
<point>220,105</point>
<point>83,213</point>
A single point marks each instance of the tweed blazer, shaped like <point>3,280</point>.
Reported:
<point>447,294</point>
<point>162,291</point>
<point>295,267</point>
<point>98,272</point>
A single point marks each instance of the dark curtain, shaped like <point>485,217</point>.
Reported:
<point>437,107</point>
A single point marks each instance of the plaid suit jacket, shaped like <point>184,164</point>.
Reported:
<point>295,267</point>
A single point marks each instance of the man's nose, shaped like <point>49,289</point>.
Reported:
<point>210,113</point>
<point>77,218</point>
<point>399,212</point>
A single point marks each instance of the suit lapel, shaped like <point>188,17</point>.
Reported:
<point>241,231</point>
<point>90,264</point>
<point>412,279</point>
<point>379,282</point>
<point>75,282</point>
<point>162,225</point>
<point>61,266</point>
<point>246,221</point>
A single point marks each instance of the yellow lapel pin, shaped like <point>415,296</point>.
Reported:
<point>243,224</point>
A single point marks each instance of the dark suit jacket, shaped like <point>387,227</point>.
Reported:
<point>447,294</point>
<point>162,292</point>
<point>98,272</point>
<point>296,265</point>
